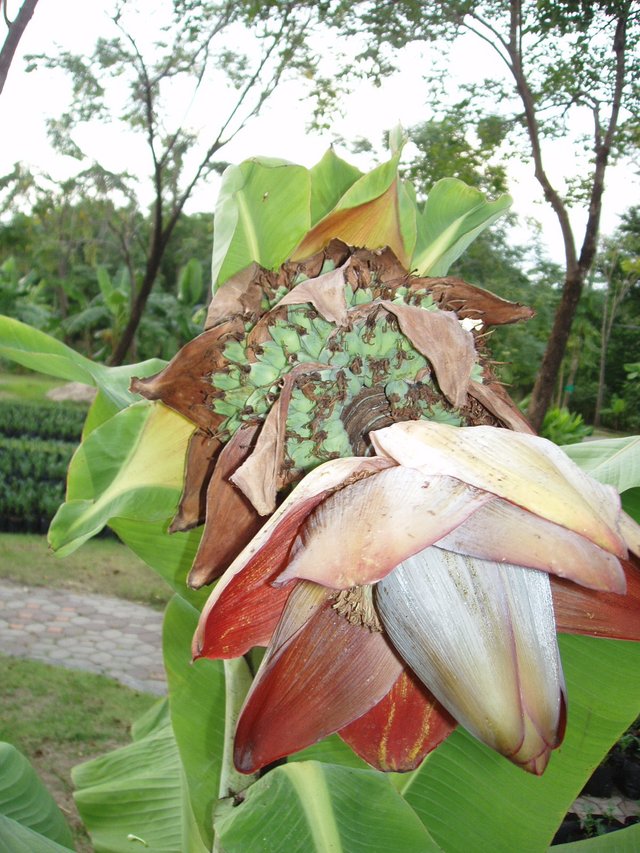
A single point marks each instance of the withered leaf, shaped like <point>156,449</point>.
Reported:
<point>231,520</point>
<point>201,460</point>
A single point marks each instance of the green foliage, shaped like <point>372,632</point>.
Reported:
<point>446,150</point>
<point>133,796</point>
<point>605,342</point>
<point>564,427</point>
<point>42,420</point>
<point>510,272</point>
<point>36,445</point>
<point>32,482</point>
<point>28,815</point>
<point>614,460</point>
<point>19,298</point>
<point>70,263</point>
<point>313,806</point>
<point>56,717</point>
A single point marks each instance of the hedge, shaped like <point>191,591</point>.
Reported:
<point>37,441</point>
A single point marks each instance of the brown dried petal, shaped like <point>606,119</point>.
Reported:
<point>240,295</point>
<point>231,521</point>
<point>494,398</point>
<point>439,336</point>
<point>325,293</point>
<point>389,271</point>
<point>185,383</point>
<point>259,477</point>
<point>468,300</point>
<point>201,460</point>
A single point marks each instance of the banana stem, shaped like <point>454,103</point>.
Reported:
<point>238,680</point>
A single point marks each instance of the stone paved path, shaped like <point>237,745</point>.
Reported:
<point>94,633</point>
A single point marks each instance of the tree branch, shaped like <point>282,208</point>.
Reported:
<point>590,241</point>
<point>15,33</point>
<point>531,122</point>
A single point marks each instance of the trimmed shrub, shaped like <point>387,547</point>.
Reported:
<point>42,420</point>
<point>37,442</point>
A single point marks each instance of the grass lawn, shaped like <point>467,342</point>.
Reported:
<point>26,386</point>
<point>101,565</point>
<point>59,718</point>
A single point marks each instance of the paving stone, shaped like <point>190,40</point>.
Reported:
<point>35,627</point>
<point>92,632</point>
<point>81,620</point>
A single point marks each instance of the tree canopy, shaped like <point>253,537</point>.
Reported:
<point>563,62</point>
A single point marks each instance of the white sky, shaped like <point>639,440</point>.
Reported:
<point>280,131</point>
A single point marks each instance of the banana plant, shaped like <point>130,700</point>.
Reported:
<point>423,630</point>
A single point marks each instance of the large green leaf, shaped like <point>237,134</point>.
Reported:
<point>631,503</point>
<point>322,808</point>
<point>331,750</point>
<point>263,210</point>
<point>197,704</point>
<point>331,177</point>
<point>453,216</point>
<point>132,798</point>
<point>159,791</point>
<point>169,554</point>
<point>132,467</point>
<point>377,210</point>
<point>39,351</point>
<point>16,838</point>
<point>471,798</point>
<point>25,801</point>
<point>611,460</point>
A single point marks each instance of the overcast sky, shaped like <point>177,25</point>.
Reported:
<point>280,131</point>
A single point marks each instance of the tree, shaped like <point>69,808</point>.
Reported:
<point>15,31</point>
<point>563,60</point>
<point>77,253</point>
<point>621,274</point>
<point>604,339</point>
<point>192,49</point>
<point>452,145</point>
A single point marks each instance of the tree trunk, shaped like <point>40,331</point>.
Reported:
<point>576,269</point>
<point>129,332</point>
<point>16,30</point>
<point>552,359</point>
<point>604,343</point>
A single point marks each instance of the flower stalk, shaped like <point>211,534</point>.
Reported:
<point>237,681</point>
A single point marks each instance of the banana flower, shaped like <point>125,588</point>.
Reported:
<point>403,593</point>
<point>428,547</point>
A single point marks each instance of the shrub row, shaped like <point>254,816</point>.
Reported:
<point>36,445</point>
<point>27,506</point>
<point>42,420</point>
<point>34,459</point>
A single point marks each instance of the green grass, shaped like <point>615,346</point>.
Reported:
<point>26,386</point>
<point>59,718</point>
<point>103,566</point>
